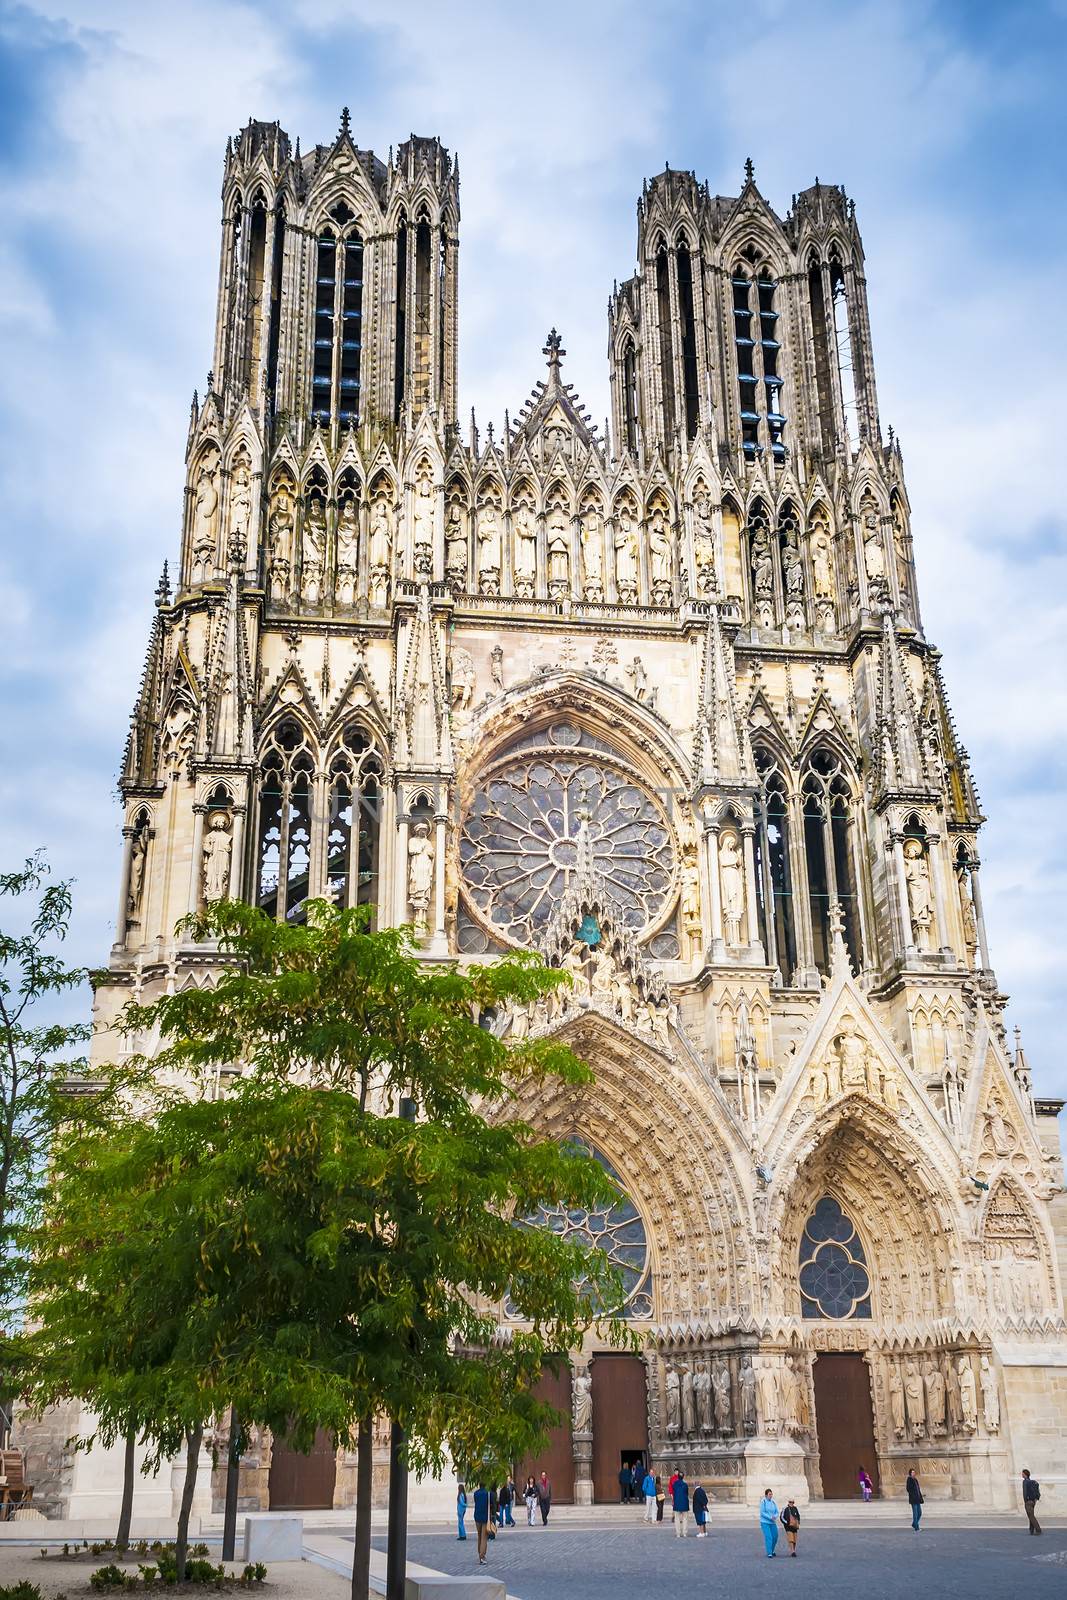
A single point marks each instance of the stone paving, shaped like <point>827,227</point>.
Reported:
<point>879,1562</point>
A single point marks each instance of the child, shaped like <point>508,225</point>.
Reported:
<point>790,1520</point>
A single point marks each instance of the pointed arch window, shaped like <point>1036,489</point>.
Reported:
<point>829,857</point>
<point>835,1281</point>
<point>758,353</point>
<point>666,341</point>
<point>774,887</point>
<point>352,842</point>
<point>338,334</point>
<point>629,396</point>
<point>687,318</point>
<point>283,854</point>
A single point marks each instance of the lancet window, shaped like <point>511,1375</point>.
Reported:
<point>774,883</point>
<point>829,857</point>
<point>355,794</point>
<point>338,335</point>
<point>758,350</point>
<point>835,1281</point>
<point>666,342</point>
<point>283,857</point>
<point>629,396</point>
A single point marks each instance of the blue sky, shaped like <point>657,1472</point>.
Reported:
<point>944,121</point>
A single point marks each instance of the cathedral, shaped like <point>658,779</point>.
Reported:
<point>654,698</point>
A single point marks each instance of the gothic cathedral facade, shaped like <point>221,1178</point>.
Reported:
<point>656,700</point>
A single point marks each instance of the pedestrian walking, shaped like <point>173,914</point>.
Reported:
<point>1031,1495</point>
<point>915,1498</point>
<point>544,1498</point>
<point>680,1506</point>
<point>700,1510</point>
<point>671,1481</point>
<point>661,1497</point>
<point>481,1521</point>
<point>461,1510</point>
<point>512,1492</point>
<point>866,1486</point>
<point>768,1521</point>
<point>637,1478</point>
<point>790,1520</point>
<point>648,1489</point>
<point>492,1512</point>
<point>626,1483</point>
<point>529,1494</point>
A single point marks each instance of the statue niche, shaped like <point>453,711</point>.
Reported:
<point>204,530</point>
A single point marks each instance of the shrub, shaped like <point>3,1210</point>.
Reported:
<point>20,1591</point>
<point>112,1577</point>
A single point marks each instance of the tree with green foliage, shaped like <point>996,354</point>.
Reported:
<point>300,1249</point>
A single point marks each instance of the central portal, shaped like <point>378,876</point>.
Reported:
<point>620,1420</point>
<point>844,1420</point>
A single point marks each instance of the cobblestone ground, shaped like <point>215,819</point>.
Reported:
<point>876,1563</point>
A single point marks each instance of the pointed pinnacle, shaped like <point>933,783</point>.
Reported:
<point>346,121</point>
<point>750,171</point>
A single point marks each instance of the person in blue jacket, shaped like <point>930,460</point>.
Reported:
<point>461,1510</point>
<point>481,1521</point>
<point>648,1489</point>
<point>680,1503</point>
<point>768,1521</point>
<point>700,1510</point>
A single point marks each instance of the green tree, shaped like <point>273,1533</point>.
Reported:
<point>327,1259</point>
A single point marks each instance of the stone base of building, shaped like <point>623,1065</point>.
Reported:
<point>778,1465</point>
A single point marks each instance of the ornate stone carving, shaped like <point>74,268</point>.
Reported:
<point>748,1395</point>
<point>990,1396</point>
<point>934,1382</point>
<point>488,536</point>
<point>767,1379</point>
<point>205,522</point>
<point>968,1395</point>
<point>380,551</point>
<point>582,1401</point>
<point>896,1400</point>
<point>723,1403</point>
<point>732,885</point>
<point>313,548</point>
<point>462,678</point>
<point>915,1400</point>
<point>524,529</point>
<point>420,876</point>
<point>920,899</point>
<point>626,550</point>
<point>689,1415</point>
<point>702,1396</point>
<point>673,1388</point>
<point>704,543</point>
<point>218,848</point>
<point>661,558</point>
<point>241,503</point>
<point>347,549</point>
<point>592,547</point>
<point>558,540</point>
<point>422,520</point>
<point>456,545</point>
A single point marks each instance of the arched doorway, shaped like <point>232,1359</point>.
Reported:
<point>844,1422</point>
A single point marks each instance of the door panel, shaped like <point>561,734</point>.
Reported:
<point>302,1482</point>
<point>557,1457</point>
<point>620,1419</point>
<point>844,1420</point>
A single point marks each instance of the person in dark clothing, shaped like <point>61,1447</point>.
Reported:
<point>481,1521</point>
<point>513,1495</point>
<point>661,1498</point>
<point>915,1498</point>
<point>625,1485</point>
<point>790,1520</point>
<point>544,1497</point>
<point>503,1504</point>
<point>680,1503</point>
<point>1031,1495</point>
<point>637,1478</point>
<point>700,1510</point>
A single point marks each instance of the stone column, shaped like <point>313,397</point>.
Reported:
<point>748,831</point>
<point>581,1444</point>
<point>979,914</point>
<point>711,853</point>
<point>439,938</point>
<point>937,875</point>
<point>798,883</point>
<point>400,887</point>
<point>124,887</point>
<point>237,838</point>
<point>199,812</point>
<point>895,845</point>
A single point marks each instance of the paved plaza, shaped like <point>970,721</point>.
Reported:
<point>880,1562</point>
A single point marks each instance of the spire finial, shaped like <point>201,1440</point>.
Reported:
<point>750,171</point>
<point>163,593</point>
<point>346,121</point>
<point>553,349</point>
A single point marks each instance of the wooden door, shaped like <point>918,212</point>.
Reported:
<point>844,1420</point>
<point>620,1419</point>
<point>557,1457</point>
<point>302,1482</point>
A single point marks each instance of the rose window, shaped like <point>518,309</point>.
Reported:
<point>834,1280</point>
<point>543,808</point>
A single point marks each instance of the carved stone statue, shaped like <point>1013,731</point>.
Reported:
<point>489,548</point>
<point>934,1381</point>
<point>347,549</point>
<point>821,563</point>
<point>623,994</point>
<point>456,544</point>
<point>852,1055</point>
<point>205,521</point>
<point>896,1401</point>
<point>313,546</point>
<point>636,671</point>
<point>218,847</point>
<point>768,1396</point>
<point>592,543</point>
<point>990,1396</point>
<point>582,1402</point>
<point>704,543</point>
<point>874,553</point>
<point>920,903</point>
<point>462,678</point>
<point>420,875</point>
<point>691,894</point>
<point>968,1395</point>
<point>793,581</point>
<point>557,534</point>
<point>732,882</point>
<point>748,1395</point>
<point>721,1384</point>
<point>661,555</point>
<point>280,526</point>
<point>915,1400</point>
<point>626,556</point>
<point>674,1403</point>
<point>241,502</point>
<point>602,984</point>
<point>138,863</point>
<point>422,522</point>
<point>790,1397</point>
<point>380,550</point>
<point>967,912</point>
<point>763,578</point>
<point>525,527</point>
<point>702,1391</point>
<point>689,1414</point>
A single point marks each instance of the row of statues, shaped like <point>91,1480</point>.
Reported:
<point>781,591</point>
<point>603,978</point>
<point>771,1396</point>
<point>923,1404</point>
<point>850,1067</point>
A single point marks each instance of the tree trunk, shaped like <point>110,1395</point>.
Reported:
<point>122,1538</point>
<point>233,1479</point>
<point>193,1442</point>
<point>361,1553</point>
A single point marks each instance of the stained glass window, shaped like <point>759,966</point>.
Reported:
<point>617,1230</point>
<point>834,1280</point>
<point>520,844</point>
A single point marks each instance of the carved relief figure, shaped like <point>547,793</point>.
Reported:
<point>732,882</point>
<point>852,1055</point>
<point>793,581</point>
<point>674,1403</point>
<point>721,1385</point>
<point>489,548</point>
<point>691,895</point>
<point>592,543</point>
<point>380,550</point>
<point>967,912</point>
<point>990,1396</point>
<point>525,528</point>
<point>768,1396</point>
<point>790,1397</point>
<point>689,1415</point>
<point>763,578</point>
<point>456,545</point>
<point>920,902</point>
<point>915,1400</point>
<point>661,556</point>
<point>205,521</point>
<point>347,549</point>
<point>934,1381</point>
<point>822,562</point>
<point>582,1401</point>
<point>422,522</point>
<point>702,1390</point>
<point>313,548</point>
<point>138,863</point>
<point>968,1395</point>
<point>896,1400</point>
<point>218,847</point>
<point>462,678</point>
<point>625,555</point>
<point>420,875</point>
<point>874,554</point>
<point>748,1395</point>
<point>704,542</point>
<point>241,503</point>
<point>557,533</point>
